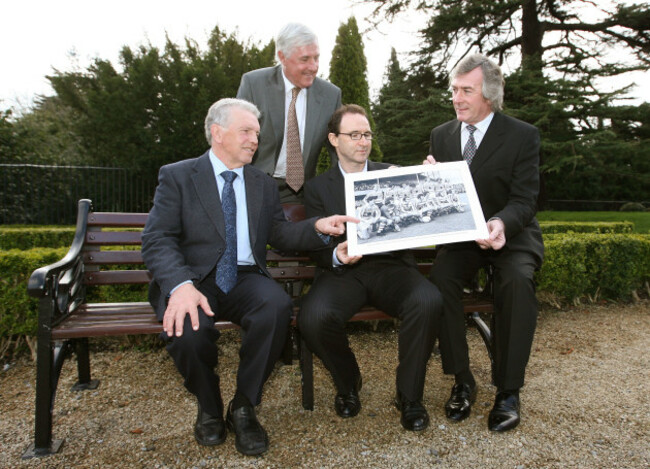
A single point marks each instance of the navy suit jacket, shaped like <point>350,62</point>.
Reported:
<point>505,171</point>
<point>185,234</point>
<point>265,88</point>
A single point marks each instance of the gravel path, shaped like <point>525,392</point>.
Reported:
<point>586,405</point>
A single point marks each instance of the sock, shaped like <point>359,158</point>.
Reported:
<point>240,400</point>
<point>465,377</point>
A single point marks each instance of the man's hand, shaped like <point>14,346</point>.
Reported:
<point>497,236</point>
<point>343,256</point>
<point>429,160</point>
<point>334,225</point>
<point>184,300</point>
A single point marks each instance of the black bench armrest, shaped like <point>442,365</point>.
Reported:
<point>62,281</point>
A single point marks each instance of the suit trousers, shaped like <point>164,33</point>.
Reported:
<point>262,309</point>
<point>515,305</point>
<point>389,285</point>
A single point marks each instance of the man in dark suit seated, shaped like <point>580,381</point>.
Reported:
<point>205,245</point>
<point>296,106</point>
<point>503,156</point>
<point>389,281</point>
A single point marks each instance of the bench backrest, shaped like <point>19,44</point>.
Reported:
<point>113,240</point>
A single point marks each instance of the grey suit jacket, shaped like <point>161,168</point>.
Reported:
<point>265,88</point>
<point>185,234</point>
<point>505,171</point>
<point>325,196</point>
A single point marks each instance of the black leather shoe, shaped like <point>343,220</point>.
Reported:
<point>504,415</point>
<point>209,430</point>
<point>414,416</point>
<point>250,436</point>
<point>459,405</point>
<point>348,405</point>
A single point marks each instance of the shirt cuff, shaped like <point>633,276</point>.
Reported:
<point>178,286</point>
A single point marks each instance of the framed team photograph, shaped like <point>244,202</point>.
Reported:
<point>401,208</point>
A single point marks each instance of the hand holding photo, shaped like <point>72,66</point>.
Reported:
<point>401,208</point>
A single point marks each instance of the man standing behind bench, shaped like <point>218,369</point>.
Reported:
<point>389,281</point>
<point>205,245</point>
<point>289,148</point>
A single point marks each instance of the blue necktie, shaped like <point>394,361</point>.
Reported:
<point>227,266</point>
<point>470,146</point>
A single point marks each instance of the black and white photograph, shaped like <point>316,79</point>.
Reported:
<point>401,208</point>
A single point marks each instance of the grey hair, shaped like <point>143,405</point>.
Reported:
<point>219,113</point>
<point>493,81</point>
<point>292,36</point>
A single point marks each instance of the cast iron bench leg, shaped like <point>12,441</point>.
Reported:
<point>83,367</point>
<point>49,361</point>
<point>486,335</point>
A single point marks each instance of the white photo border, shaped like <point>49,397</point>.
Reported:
<point>438,189</point>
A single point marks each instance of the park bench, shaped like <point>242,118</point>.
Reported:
<point>106,251</point>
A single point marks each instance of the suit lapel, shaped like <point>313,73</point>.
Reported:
<point>276,99</point>
<point>254,199</point>
<point>337,188</point>
<point>313,117</point>
<point>452,142</point>
<point>205,186</point>
<point>491,142</point>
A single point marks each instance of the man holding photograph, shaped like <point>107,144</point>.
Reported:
<point>503,156</point>
<point>344,283</point>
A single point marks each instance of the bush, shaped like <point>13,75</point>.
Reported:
<point>611,265</point>
<point>632,207</point>
<point>28,237</point>
<point>552,227</point>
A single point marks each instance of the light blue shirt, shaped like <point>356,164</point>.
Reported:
<point>479,133</point>
<point>244,251</point>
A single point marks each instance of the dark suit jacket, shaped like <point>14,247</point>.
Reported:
<point>325,196</point>
<point>184,236</point>
<point>265,88</point>
<point>505,171</point>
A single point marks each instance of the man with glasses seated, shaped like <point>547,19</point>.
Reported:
<point>389,281</point>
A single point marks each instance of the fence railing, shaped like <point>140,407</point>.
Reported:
<point>48,195</point>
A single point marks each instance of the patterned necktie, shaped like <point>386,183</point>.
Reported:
<point>227,266</point>
<point>295,170</point>
<point>470,146</point>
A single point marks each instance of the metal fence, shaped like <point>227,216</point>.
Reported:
<point>48,195</point>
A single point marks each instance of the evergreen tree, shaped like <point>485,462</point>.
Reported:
<point>405,115</point>
<point>561,59</point>
<point>348,70</point>
<point>152,112</point>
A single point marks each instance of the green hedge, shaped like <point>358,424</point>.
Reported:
<point>575,266</point>
<point>609,265</point>
<point>28,237</point>
<point>552,227</point>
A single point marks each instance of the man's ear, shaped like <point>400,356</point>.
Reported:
<point>334,139</point>
<point>215,131</point>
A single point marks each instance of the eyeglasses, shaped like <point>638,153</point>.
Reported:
<point>358,135</point>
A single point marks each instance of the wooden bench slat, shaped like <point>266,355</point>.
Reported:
<point>114,238</point>
<point>117,277</point>
<point>112,257</point>
<point>117,219</point>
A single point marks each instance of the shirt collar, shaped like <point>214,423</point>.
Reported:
<point>365,168</point>
<point>288,86</point>
<point>483,125</point>
<point>219,166</point>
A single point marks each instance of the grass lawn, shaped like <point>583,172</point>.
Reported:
<point>641,220</point>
